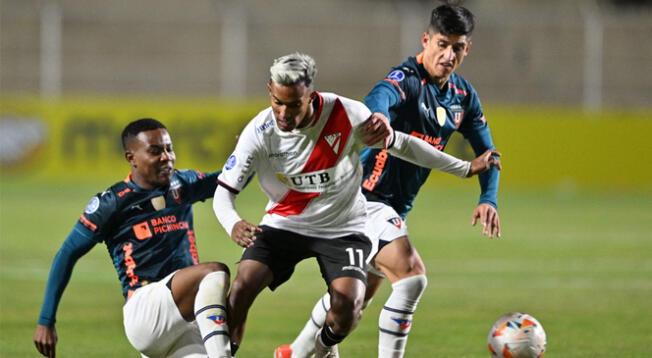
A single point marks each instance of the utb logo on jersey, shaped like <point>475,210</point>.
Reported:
<point>396,221</point>
<point>403,323</point>
<point>218,319</point>
<point>333,141</point>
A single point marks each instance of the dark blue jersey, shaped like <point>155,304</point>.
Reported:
<point>148,233</point>
<point>416,106</point>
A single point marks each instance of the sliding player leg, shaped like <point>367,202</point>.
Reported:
<point>402,265</point>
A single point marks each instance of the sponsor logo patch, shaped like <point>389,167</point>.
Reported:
<point>142,231</point>
<point>312,182</point>
<point>396,75</point>
<point>292,153</point>
<point>403,323</point>
<point>230,163</point>
<point>264,126</point>
<point>92,206</point>
<point>218,319</point>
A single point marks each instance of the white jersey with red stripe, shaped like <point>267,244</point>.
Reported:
<point>311,175</point>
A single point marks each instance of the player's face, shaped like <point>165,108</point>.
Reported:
<point>152,159</point>
<point>291,105</point>
<point>443,54</point>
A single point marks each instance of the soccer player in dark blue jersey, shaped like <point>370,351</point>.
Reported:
<point>175,306</point>
<point>423,97</point>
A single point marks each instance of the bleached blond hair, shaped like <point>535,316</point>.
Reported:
<point>293,69</point>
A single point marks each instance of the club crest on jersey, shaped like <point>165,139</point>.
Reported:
<point>92,206</point>
<point>403,323</point>
<point>175,190</point>
<point>333,141</point>
<point>396,75</point>
<point>218,319</point>
<point>396,221</point>
<point>458,114</point>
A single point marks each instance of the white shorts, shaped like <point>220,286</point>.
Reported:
<point>383,225</point>
<point>154,325</point>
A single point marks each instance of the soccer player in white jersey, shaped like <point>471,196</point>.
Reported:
<point>305,149</point>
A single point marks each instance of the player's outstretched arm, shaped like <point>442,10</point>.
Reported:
<point>74,247</point>
<point>485,161</point>
<point>241,231</point>
<point>419,152</point>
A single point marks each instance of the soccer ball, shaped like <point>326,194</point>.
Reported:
<point>517,335</point>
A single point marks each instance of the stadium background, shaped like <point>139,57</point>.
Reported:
<point>566,87</point>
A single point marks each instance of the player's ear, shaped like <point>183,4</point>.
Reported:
<point>129,156</point>
<point>269,87</point>
<point>424,39</point>
<point>468,48</point>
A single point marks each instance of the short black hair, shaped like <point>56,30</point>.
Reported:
<point>452,20</point>
<point>140,125</point>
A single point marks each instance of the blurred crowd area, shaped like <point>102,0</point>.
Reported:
<point>591,53</point>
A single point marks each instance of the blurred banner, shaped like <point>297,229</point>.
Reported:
<point>80,137</point>
<point>542,147</point>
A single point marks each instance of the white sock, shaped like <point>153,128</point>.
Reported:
<point>395,319</point>
<point>210,314</point>
<point>304,345</point>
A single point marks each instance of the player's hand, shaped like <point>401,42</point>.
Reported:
<point>244,233</point>
<point>45,339</point>
<point>490,158</point>
<point>376,129</point>
<point>488,216</point>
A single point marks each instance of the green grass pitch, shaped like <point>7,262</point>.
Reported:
<point>580,262</point>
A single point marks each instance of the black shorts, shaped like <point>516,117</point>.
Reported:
<point>281,250</point>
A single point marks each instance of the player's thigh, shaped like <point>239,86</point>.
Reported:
<point>188,345</point>
<point>151,319</point>
<point>384,225</point>
<point>272,258</point>
<point>399,259</point>
<point>342,257</point>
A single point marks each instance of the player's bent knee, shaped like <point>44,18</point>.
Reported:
<point>346,310</point>
<point>415,267</point>
<point>411,287</point>
<point>208,267</point>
